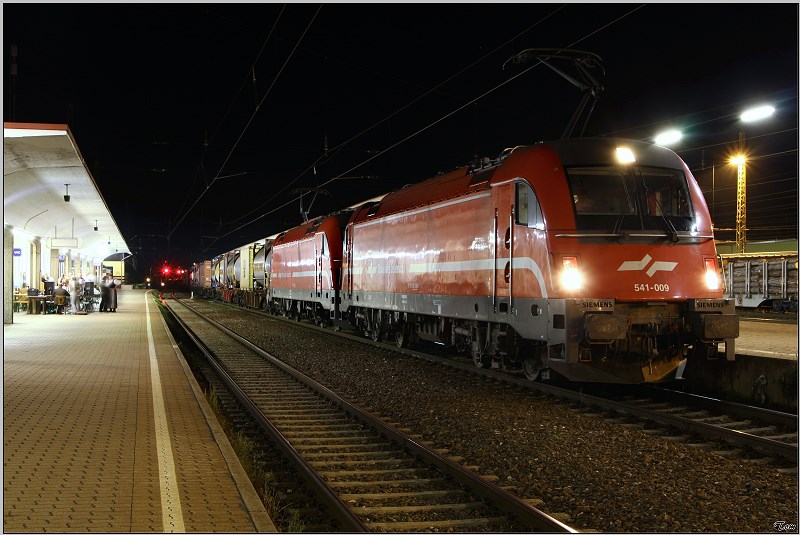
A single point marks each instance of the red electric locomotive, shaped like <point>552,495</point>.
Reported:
<point>594,258</point>
<point>305,269</point>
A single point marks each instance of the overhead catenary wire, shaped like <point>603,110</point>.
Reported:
<point>437,121</point>
<point>249,122</point>
<point>331,152</point>
<point>207,142</point>
<point>725,116</point>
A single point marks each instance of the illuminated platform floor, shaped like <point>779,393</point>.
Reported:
<point>105,429</point>
<point>764,338</point>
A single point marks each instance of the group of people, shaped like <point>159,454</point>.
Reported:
<point>108,294</point>
<point>73,287</point>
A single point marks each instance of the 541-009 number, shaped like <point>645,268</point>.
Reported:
<point>651,287</point>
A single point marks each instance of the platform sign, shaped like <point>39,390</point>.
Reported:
<point>17,251</point>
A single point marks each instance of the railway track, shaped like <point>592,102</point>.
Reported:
<point>723,427</point>
<point>371,476</point>
<point>761,434</point>
<point>758,434</point>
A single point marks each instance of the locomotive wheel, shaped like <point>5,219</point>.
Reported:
<point>480,360</point>
<point>531,367</point>
<point>401,336</point>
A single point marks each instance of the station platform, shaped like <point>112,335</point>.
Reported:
<point>768,339</point>
<point>105,429</point>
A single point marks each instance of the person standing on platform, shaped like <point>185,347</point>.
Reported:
<point>103,293</point>
<point>79,286</point>
<point>72,288</point>
<point>112,295</point>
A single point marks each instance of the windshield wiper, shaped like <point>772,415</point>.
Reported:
<point>673,232</point>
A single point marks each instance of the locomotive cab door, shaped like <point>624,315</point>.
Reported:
<point>518,223</point>
<point>323,282</point>
<point>319,250</point>
<point>503,200</point>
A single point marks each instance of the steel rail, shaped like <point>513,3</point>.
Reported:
<point>338,509</point>
<point>763,445</point>
<point>525,513</point>
<point>705,402</point>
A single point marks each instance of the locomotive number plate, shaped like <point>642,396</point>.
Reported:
<point>651,287</point>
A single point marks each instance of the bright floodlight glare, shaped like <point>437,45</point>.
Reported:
<point>757,113</point>
<point>738,160</point>
<point>668,138</point>
<point>625,155</point>
<point>571,278</point>
<point>712,279</point>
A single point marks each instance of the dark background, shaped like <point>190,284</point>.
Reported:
<point>203,123</point>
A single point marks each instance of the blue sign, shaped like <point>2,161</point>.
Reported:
<point>17,252</point>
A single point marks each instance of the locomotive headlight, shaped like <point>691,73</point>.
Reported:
<point>625,155</point>
<point>712,276</point>
<point>571,278</point>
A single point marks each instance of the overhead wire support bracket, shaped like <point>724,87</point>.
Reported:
<point>302,191</point>
<point>584,62</point>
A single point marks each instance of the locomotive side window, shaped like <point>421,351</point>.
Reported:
<point>528,210</point>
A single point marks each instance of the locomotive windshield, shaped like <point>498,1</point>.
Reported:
<point>613,199</point>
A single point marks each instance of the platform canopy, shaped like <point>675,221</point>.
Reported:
<point>42,164</point>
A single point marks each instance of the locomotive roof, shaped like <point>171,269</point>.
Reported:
<point>598,150</point>
<point>464,180</point>
<point>337,219</point>
<point>440,188</point>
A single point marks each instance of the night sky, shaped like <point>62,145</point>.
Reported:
<point>203,123</point>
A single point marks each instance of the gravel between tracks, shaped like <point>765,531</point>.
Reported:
<point>606,476</point>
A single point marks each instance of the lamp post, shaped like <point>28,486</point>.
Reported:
<point>741,199</point>
<point>672,136</point>
<point>748,116</point>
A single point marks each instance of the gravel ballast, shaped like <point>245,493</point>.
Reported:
<point>606,476</point>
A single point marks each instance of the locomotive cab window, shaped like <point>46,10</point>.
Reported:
<point>528,210</point>
<point>665,194</point>
<point>614,199</point>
